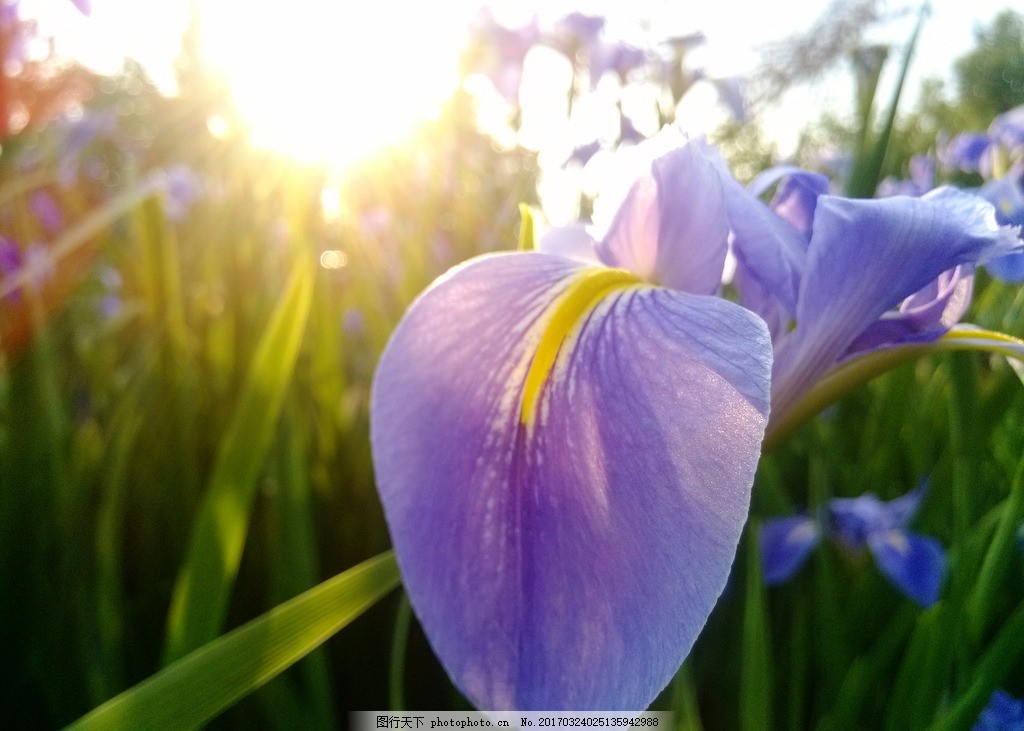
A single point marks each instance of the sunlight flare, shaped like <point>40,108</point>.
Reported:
<point>333,83</point>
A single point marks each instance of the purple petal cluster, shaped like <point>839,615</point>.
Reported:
<point>915,564</point>
<point>836,277</point>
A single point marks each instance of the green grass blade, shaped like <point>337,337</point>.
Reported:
<point>399,640</point>
<point>1003,652</point>
<point>925,670</point>
<point>684,701</point>
<point>527,240</point>
<point>200,598</point>
<point>197,687</point>
<point>868,168</point>
<point>755,673</point>
<point>998,561</point>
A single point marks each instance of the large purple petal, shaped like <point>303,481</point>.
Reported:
<point>672,228</point>
<point>864,258</point>
<point>567,561</point>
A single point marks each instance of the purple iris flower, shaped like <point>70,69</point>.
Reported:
<point>915,564</point>
<point>565,450</point>
<point>1004,712</point>
<point>967,152</point>
<point>836,277</point>
<point>564,440</point>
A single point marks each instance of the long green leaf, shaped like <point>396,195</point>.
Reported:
<point>1003,653</point>
<point>755,672</point>
<point>868,168</point>
<point>201,592</point>
<point>196,688</point>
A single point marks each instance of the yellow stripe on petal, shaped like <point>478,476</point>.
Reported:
<point>568,312</point>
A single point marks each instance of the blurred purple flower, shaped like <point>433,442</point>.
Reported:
<point>1007,129</point>
<point>353,324</point>
<point>10,264</point>
<point>628,133</point>
<point>84,6</point>
<point>1008,198</point>
<point>502,51</point>
<point>922,179</point>
<point>34,261</point>
<point>79,134</point>
<point>575,32</point>
<point>111,303</point>
<point>914,564</point>
<point>966,152</point>
<point>46,211</point>
<point>181,188</point>
<point>785,545</point>
<point>1004,712</point>
<point>615,57</point>
<point>732,96</point>
<point>582,154</point>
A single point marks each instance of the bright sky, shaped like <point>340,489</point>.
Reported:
<point>411,47</point>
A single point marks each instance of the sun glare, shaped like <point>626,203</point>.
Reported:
<point>334,82</point>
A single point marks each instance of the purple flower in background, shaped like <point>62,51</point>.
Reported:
<point>46,211</point>
<point>84,6</point>
<point>583,153</point>
<point>922,179</point>
<point>10,263</point>
<point>967,152</point>
<point>31,265</point>
<point>785,545</point>
<point>532,409</point>
<point>575,32</point>
<point>79,134</point>
<point>628,133</point>
<point>1007,130</point>
<point>915,564</point>
<point>502,52</point>
<point>731,94</point>
<point>1004,712</point>
<point>617,58</point>
<point>181,187</point>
